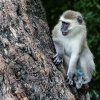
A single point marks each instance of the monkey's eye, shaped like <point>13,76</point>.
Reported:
<point>79,19</point>
<point>65,24</point>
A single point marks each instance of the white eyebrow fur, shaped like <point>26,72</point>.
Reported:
<point>65,20</point>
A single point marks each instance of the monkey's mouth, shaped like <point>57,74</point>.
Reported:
<point>65,32</point>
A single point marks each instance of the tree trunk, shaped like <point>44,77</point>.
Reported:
<point>26,68</point>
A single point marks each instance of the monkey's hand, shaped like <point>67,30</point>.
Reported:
<point>70,75</point>
<point>57,59</point>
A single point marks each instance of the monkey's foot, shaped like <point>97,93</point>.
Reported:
<point>86,79</point>
<point>57,60</point>
<point>79,79</point>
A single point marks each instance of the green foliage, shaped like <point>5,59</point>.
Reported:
<point>90,9</point>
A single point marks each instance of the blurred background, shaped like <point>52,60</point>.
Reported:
<point>90,9</point>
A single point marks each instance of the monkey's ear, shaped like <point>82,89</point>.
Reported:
<point>79,19</point>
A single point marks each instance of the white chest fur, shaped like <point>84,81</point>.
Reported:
<point>70,43</point>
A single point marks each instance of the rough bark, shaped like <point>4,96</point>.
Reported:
<point>26,68</point>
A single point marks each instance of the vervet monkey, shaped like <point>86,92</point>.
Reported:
<point>70,41</point>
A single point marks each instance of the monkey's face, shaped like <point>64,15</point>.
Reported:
<point>71,24</point>
<point>65,28</point>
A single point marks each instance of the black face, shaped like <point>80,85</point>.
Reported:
<point>64,28</point>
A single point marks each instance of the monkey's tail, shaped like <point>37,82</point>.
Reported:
<point>87,96</point>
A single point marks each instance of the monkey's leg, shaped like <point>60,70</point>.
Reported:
<point>87,65</point>
<point>85,69</point>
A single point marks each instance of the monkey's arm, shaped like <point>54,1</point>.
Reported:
<point>72,67</point>
<point>57,59</point>
<point>77,49</point>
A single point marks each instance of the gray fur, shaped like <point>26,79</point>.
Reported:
<point>73,48</point>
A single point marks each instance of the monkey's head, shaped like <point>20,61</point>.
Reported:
<point>71,22</point>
